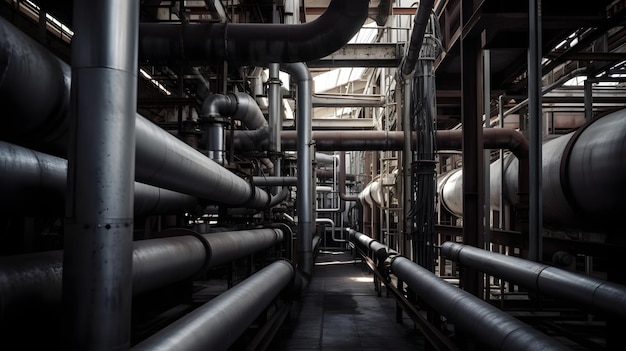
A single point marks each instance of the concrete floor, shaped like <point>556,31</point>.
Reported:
<point>340,310</point>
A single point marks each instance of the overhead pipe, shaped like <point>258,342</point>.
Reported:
<point>35,279</point>
<point>34,181</point>
<point>420,21</point>
<point>594,295</point>
<point>218,323</point>
<point>493,328</point>
<point>161,159</point>
<point>98,226</point>
<point>304,202</point>
<point>254,44</point>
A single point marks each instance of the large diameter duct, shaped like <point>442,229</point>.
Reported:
<point>36,182</point>
<point>161,159</point>
<point>254,44</point>
<point>593,294</point>
<point>217,324</point>
<point>493,328</point>
<point>582,180</point>
<point>35,279</point>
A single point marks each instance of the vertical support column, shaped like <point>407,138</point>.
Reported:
<point>275,117</point>
<point>407,160</point>
<point>535,214</point>
<point>473,183</point>
<point>304,201</point>
<point>97,263</point>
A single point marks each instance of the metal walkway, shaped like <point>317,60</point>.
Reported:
<point>341,310</point>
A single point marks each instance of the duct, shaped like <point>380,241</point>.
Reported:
<point>302,76</point>
<point>420,21</point>
<point>35,279</point>
<point>254,44</point>
<point>372,194</point>
<point>161,159</point>
<point>581,181</point>
<point>218,323</point>
<point>593,294</point>
<point>495,329</point>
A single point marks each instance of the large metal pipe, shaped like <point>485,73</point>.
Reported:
<point>35,182</point>
<point>35,279</point>
<point>161,159</point>
<point>98,236</point>
<point>582,184</point>
<point>493,328</point>
<point>219,323</point>
<point>254,44</point>
<point>593,294</point>
<point>304,202</point>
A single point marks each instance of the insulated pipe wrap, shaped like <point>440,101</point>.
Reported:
<point>218,323</point>
<point>494,328</point>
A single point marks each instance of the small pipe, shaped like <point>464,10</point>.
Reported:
<point>218,323</point>
<point>593,294</point>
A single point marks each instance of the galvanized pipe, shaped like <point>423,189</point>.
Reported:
<point>218,323</point>
<point>593,294</point>
<point>35,182</point>
<point>304,202</point>
<point>254,44</point>
<point>493,328</point>
<point>98,237</point>
<point>35,279</point>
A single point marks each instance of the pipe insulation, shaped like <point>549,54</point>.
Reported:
<point>248,44</point>
<point>582,178</point>
<point>35,279</point>
<point>161,159</point>
<point>36,182</point>
<point>595,295</point>
<point>493,328</point>
<point>217,324</point>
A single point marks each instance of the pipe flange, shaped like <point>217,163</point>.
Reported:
<point>173,232</point>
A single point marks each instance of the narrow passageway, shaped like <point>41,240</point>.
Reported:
<point>341,310</point>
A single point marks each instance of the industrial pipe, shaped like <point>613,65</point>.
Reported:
<point>35,279</point>
<point>582,183</point>
<point>304,202</point>
<point>254,44</point>
<point>36,182</point>
<point>495,329</point>
<point>420,21</point>
<point>593,294</point>
<point>161,159</point>
<point>218,323</point>
<point>378,250</point>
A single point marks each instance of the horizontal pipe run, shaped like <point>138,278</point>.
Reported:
<point>218,323</point>
<point>274,181</point>
<point>36,182</point>
<point>253,44</point>
<point>35,279</point>
<point>493,328</point>
<point>595,295</point>
<point>162,159</point>
<point>378,250</point>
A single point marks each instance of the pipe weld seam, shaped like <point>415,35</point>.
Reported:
<point>208,253</point>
